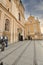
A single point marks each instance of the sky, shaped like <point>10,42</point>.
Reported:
<point>35,8</point>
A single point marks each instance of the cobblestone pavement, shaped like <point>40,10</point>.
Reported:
<point>23,53</point>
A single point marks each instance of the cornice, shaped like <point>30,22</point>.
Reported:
<point>10,14</point>
<point>18,8</point>
<point>30,23</point>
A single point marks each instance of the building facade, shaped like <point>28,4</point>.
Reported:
<point>12,22</point>
<point>12,19</point>
<point>32,28</point>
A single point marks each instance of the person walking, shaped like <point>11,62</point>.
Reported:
<point>1,63</point>
<point>3,46</point>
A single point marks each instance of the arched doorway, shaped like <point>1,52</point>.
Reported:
<point>29,38</point>
<point>20,37</point>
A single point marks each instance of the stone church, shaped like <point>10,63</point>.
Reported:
<point>32,28</point>
<point>12,19</point>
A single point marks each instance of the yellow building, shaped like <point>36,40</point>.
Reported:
<point>12,19</point>
<point>32,28</point>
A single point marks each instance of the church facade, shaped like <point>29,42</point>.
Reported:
<point>12,19</point>
<point>32,28</point>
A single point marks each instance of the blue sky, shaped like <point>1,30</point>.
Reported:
<point>35,7</point>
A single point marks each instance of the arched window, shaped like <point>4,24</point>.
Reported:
<point>0,14</point>
<point>35,29</point>
<point>8,9</point>
<point>19,16</point>
<point>9,0</point>
<point>7,24</point>
<point>31,21</point>
<point>19,30</point>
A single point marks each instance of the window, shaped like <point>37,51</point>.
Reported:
<point>31,21</point>
<point>0,14</point>
<point>35,30</point>
<point>9,0</point>
<point>8,9</point>
<point>7,24</point>
<point>28,30</point>
<point>19,30</point>
<point>20,2</point>
<point>19,16</point>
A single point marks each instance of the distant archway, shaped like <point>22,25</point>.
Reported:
<point>20,36</point>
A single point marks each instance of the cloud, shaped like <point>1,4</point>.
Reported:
<point>35,7</point>
<point>39,6</point>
